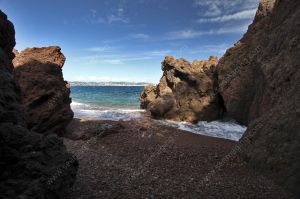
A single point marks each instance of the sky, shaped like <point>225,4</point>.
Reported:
<point>126,40</point>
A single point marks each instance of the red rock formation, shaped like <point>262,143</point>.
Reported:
<point>186,91</point>
<point>45,93</point>
<point>260,82</point>
<point>32,165</point>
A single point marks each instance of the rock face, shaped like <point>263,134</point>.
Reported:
<point>259,80</point>
<point>32,165</point>
<point>186,91</point>
<point>148,95</point>
<point>46,96</point>
<point>9,88</point>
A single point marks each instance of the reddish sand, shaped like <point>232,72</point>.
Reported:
<point>146,159</point>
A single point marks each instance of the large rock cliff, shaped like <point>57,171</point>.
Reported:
<point>32,165</point>
<point>259,80</point>
<point>186,91</point>
<point>46,96</point>
<point>8,86</point>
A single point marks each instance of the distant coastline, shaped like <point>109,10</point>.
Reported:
<point>109,83</point>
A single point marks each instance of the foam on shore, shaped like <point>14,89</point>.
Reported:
<point>104,113</point>
<point>221,129</point>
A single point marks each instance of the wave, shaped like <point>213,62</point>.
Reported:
<point>221,129</point>
<point>105,113</point>
<point>76,104</point>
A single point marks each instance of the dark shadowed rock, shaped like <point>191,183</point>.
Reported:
<point>260,83</point>
<point>32,165</point>
<point>8,86</point>
<point>186,91</point>
<point>46,96</point>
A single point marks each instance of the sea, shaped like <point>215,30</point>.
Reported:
<point>122,103</point>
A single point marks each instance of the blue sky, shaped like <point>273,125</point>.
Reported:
<point>126,40</point>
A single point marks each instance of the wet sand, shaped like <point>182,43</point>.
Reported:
<point>146,159</point>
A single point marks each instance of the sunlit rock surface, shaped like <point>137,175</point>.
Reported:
<point>186,91</point>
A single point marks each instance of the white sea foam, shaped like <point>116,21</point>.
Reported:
<point>75,104</point>
<point>103,113</point>
<point>221,129</point>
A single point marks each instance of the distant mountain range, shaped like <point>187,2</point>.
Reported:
<point>108,83</point>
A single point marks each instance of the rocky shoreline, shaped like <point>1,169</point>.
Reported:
<point>256,83</point>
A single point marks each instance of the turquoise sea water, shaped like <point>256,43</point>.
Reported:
<point>108,97</point>
<point>106,102</point>
<point>122,103</point>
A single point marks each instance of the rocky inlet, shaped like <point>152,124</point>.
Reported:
<point>256,83</point>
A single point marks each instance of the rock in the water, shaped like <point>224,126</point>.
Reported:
<point>46,96</point>
<point>186,91</point>
<point>260,83</point>
<point>32,165</point>
<point>148,95</point>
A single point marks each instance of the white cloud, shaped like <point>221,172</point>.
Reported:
<point>118,14</point>
<point>185,34</point>
<point>245,14</point>
<point>221,49</point>
<point>115,15</point>
<point>93,17</point>
<point>116,18</point>
<point>101,49</point>
<point>190,34</point>
<point>215,8</point>
<point>113,61</point>
<point>159,52</point>
<point>235,29</point>
<point>109,56</point>
<point>140,36</point>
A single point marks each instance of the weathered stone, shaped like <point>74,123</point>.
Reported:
<point>32,165</point>
<point>186,91</point>
<point>46,96</point>
<point>259,80</point>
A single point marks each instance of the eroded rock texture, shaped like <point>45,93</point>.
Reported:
<point>32,165</point>
<point>46,96</point>
<point>147,96</point>
<point>186,91</point>
<point>260,82</point>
